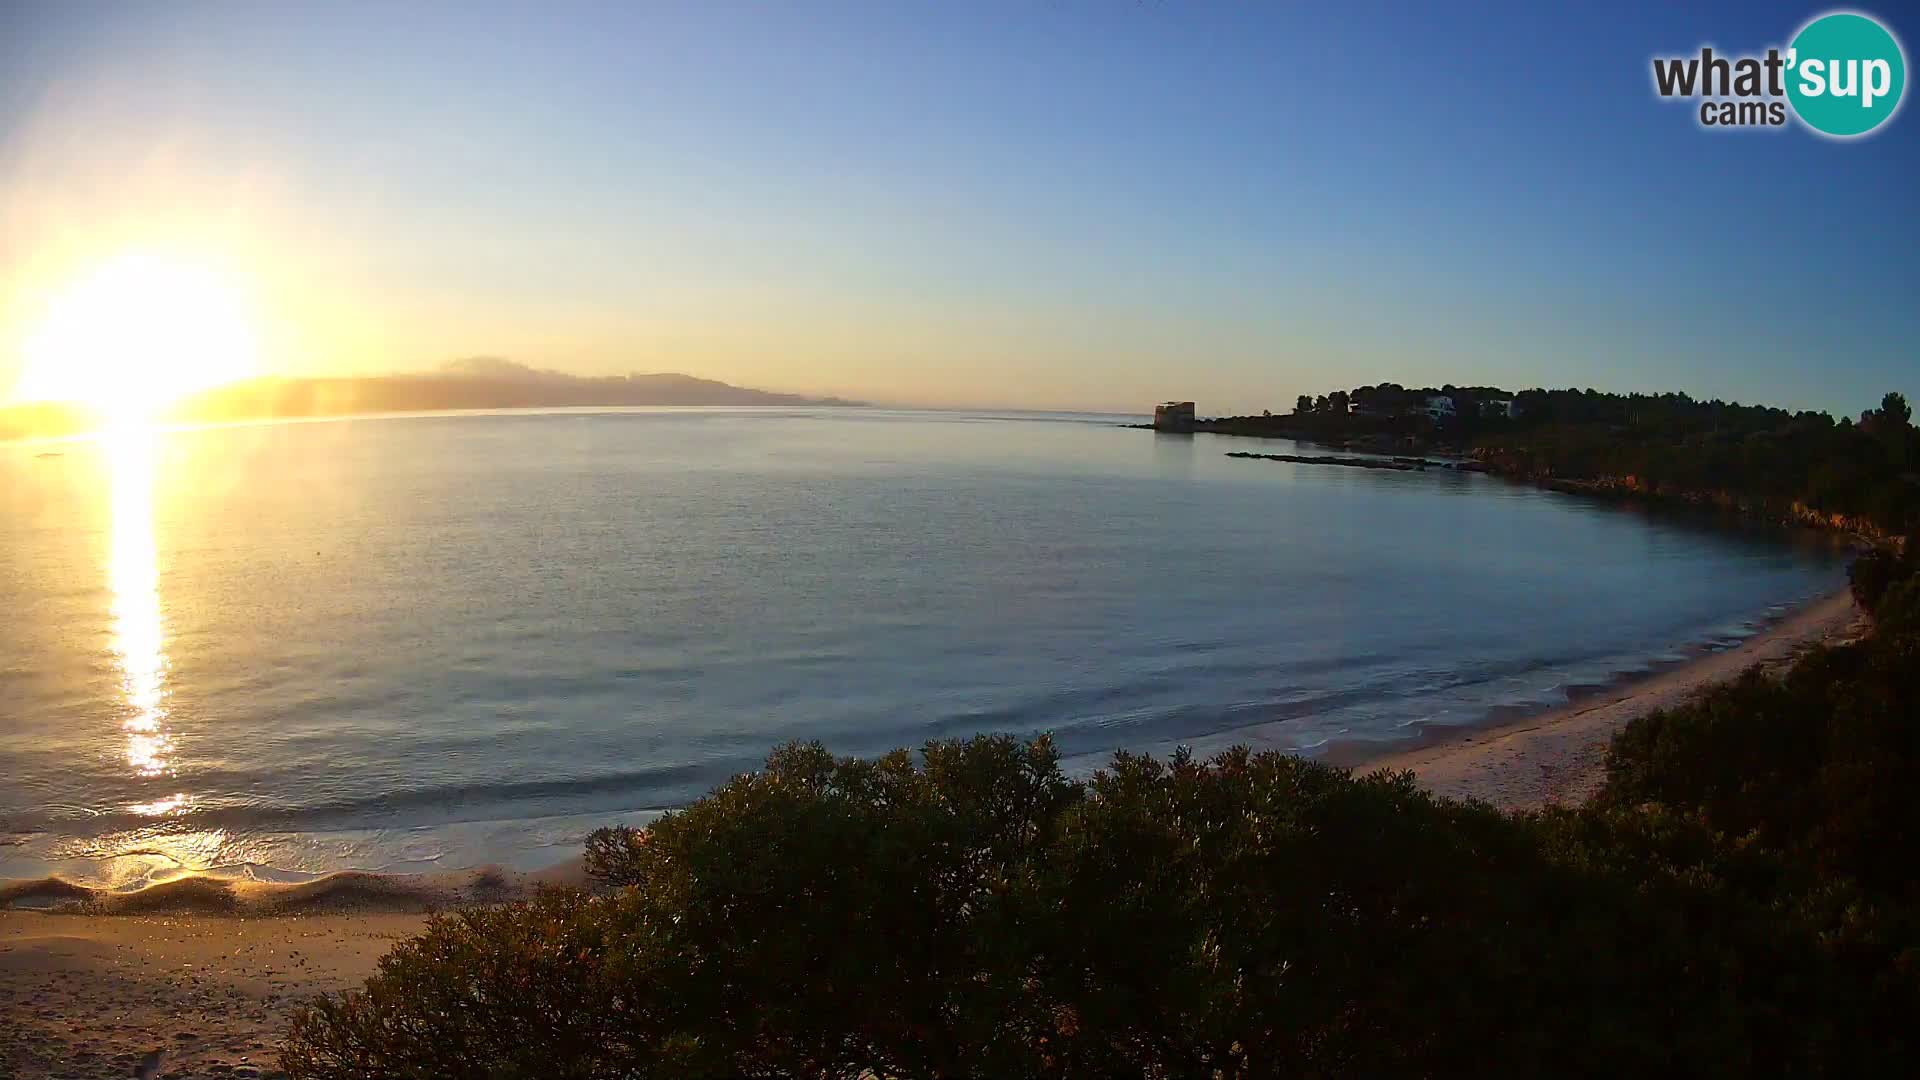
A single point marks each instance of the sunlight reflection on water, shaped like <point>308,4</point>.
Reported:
<point>139,628</point>
<point>138,644</point>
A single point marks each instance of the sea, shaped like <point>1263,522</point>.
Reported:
<point>429,642</point>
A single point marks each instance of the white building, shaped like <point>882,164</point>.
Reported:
<point>1439,406</point>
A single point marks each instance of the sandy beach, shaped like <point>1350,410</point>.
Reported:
<point>197,978</point>
<point>170,995</point>
<point>1557,757</point>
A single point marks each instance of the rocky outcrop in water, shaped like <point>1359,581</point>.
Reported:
<point>1399,464</point>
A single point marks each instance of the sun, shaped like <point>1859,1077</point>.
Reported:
<point>138,333</point>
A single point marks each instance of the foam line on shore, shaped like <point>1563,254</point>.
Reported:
<point>1556,756</point>
<point>339,892</point>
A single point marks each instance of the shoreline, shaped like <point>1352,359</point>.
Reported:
<point>1517,757</point>
<point>199,976</point>
<point>339,892</point>
<point>1556,756</point>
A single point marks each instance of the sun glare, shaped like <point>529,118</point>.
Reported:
<point>139,629</point>
<point>138,333</point>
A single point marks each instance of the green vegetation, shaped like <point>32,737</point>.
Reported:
<point>1805,467</point>
<point>1820,766</point>
<point>1792,465</point>
<point>1741,898</point>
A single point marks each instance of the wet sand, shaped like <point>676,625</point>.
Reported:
<point>1556,757</point>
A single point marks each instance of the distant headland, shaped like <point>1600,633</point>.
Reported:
<point>1800,468</point>
<point>480,382</point>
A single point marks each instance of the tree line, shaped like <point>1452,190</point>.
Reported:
<point>1865,469</point>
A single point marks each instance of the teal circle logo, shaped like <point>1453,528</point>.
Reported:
<point>1845,74</point>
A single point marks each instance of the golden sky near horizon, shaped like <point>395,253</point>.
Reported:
<point>320,294</point>
<point>1065,207</point>
<point>333,282</point>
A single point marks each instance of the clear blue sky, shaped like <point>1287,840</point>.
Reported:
<point>1041,204</point>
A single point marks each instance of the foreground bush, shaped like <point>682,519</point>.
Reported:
<point>1875,573</point>
<point>1822,765</point>
<point>524,990</point>
<point>975,913</point>
<point>1818,771</point>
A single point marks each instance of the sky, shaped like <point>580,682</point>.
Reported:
<point>1042,205</point>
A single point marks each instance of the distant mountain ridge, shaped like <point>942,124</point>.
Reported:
<point>476,382</point>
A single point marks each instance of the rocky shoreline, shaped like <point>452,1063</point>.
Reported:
<point>1783,513</point>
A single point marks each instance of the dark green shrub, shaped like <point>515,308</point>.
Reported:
<point>1820,765</point>
<point>613,854</point>
<point>978,914</point>
<point>1898,612</point>
<point>1871,574</point>
<point>1736,754</point>
<point>1817,771</point>
<point>526,989</point>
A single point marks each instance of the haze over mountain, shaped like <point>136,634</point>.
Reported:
<point>475,382</point>
<point>515,385</point>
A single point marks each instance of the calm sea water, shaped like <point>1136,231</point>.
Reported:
<point>432,642</point>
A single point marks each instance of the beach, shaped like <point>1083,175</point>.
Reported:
<point>1558,757</point>
<point>181,995</point>
<point>197,978</point>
